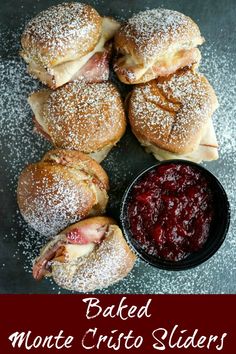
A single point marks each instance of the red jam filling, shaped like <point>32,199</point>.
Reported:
<point>170,211</point>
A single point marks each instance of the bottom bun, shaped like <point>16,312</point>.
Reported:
<point>89,255</point>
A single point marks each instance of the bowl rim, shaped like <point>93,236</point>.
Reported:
<point>165,264</point>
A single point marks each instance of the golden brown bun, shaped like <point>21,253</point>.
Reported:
<point>91,67</point>
<point>63,32</point>
<point>172,113</point>
<point>65,186</point>
<point>101,265</point>
<point>155,43</point>
<point>80,116</point>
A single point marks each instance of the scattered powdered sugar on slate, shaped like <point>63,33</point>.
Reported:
<point>29,243</point>
<point>221,72</point>
<point>19,146</point>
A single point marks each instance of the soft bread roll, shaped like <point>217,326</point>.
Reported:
<point>171,116</point>
<point>155,43</point>
<point>65,186</point>
<point>91,254</point>
<point>81,116</point>
<point>61,40</point>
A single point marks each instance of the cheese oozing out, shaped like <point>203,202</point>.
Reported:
<point>37,101</point>
<point>206,151</point>
<point>64,72</point>
<point>101,199</point>
<point>177,55</point>
<point>76,251</point>
<point>100,155</point>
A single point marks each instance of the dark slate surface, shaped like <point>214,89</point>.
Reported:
<point>217,22</point>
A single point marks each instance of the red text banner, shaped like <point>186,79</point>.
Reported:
<point>117,324</point>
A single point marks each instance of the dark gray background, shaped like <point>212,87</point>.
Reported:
<point>19,146</point>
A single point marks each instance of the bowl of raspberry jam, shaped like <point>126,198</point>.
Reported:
<point>175,215</point>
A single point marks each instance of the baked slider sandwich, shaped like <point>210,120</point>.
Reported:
<point>155,43</point>
<point>172,116</point>
<point>66,42</point>
<point>80,116</point>
<point>62,188</point>
<point>91,254</point>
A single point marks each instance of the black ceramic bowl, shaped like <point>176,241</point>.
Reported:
<point>218,228</point>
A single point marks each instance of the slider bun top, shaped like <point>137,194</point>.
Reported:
<point>99,265</point>
<point>173,113</point>
<point>82,116</point>
<point>63,32</point>
<point>65,186</point>
<point>151,33</point>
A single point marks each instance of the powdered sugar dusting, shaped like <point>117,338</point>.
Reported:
<point>171,112</point>
<point>105,266</point>
<point>160,27</point>
<point>221,71</point>
<point>58,29</point>
<point>19,146</point>
<point>85,117</point>
<point>19,143</point>
<point>56,201</point>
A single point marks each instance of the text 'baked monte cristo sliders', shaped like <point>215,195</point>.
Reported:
<point>172,116</point>
<point>66,42</point>
<point>62,188</point>
<point>88,255</point>
<point>155,43</point>
<point>88,117</point>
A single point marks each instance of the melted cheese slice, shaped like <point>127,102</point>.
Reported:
<point>206,151</point>
<point>209,139</point>
<point>76,251</point>
<point>100,155</point>
<point>36,101</point>
<point>101,200</point>
<point>174,56</point>
<point>62,73</point>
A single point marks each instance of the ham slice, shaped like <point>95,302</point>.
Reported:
<point>59,252</point>
<point>87,233</point>
<point>42,265</point>
<point>96,69</point>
